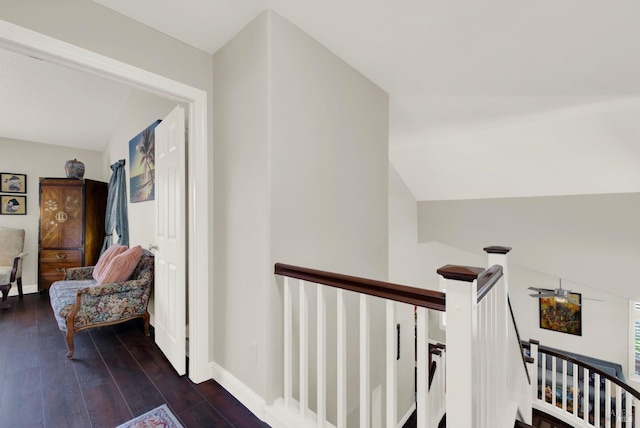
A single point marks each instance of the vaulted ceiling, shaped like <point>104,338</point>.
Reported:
<point>498,98</point>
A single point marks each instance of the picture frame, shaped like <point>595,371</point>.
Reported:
<point>142,165</point>
<point>13,183</point>
<point>13,205</point>
<point>563,317</point>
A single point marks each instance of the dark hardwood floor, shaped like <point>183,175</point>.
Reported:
<point>540,420</point>
<point>116,374</point>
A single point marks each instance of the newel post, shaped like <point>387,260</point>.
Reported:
<point>497,255</point>
<point>462,331</point>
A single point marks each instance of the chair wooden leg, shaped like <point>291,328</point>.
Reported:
<point>70,332</point>
<point>70,344</point>
<point>5,292</point>
<point>19,282</point>
<point>147,317</point>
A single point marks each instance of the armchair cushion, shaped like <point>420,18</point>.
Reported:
<point>63,297</point>
<point>121,266</point>
<point>106,257</point>
<point>12,244</point>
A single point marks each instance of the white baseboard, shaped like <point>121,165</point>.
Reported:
<point>26,289</point>
<point>249,398</point>
<point>279,416</point>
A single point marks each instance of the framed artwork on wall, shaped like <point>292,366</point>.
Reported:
<point>13,183</point>
<point>142,161</point>
<point>562,316</point>
<point>13,205</point>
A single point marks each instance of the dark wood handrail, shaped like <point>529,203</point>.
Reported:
<point>592,369</point>
<point>400,293</point>
<point>513,319</point>
<point>487,280</point>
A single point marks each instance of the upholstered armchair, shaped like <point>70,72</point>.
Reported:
<point>11,255</point>
<point>79,303</point>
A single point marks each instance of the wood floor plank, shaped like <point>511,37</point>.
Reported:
<point>25,341</point>
<point>177,391</point>
<point>21,402</point>
<point>204,415</point>
<point>104,338</point>
<point>105,405</point>
<point>62,399</point>
<point>116,374</point>
<point>227,404</point>
<point>135,386</point>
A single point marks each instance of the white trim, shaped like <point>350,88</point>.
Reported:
<point>26,41</point>
<point>249,398</point>
<point>279,416</point>
<point>26,289</point>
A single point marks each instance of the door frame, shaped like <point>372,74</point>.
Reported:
<point>25,41</point>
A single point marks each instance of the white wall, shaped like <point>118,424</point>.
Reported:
<point>404,268</point>
<point>39,160</point>
<point>329,178</point>
<point>588,239</point>
<point>140,111</point>
<point>242,202</point>
<point>301,178</point>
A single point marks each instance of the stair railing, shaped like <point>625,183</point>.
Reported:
<point>310,284</point>
<point>487,382</point>
<point>481,343</point>
<point>580,393</point>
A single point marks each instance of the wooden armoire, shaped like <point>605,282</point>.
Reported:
<point>72,215</point>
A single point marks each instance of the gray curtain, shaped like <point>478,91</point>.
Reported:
<point>116,215</point>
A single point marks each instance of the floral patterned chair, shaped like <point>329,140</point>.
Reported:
<point>78,303</point>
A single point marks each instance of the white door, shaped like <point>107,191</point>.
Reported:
<point>170,265</point>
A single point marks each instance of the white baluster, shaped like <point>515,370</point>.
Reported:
<point>321,350</point>
<point>422,380</point>
<point>619,416</point>
<point>341,360</point>
<point>586,397</point>
<point>543,377</point>
<point>392,368</point>
<point>304,350</point>
<point>365,363</point>
<point>288,347</point>
<point>607,403</point>
<point>575,397</point>
<point>596,399</point>
<point>628,403</point>
<point>553,380</point>
<point>533,371</point>
<point>565,387</point>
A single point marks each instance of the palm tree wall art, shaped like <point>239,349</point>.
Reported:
<point>142,164</point>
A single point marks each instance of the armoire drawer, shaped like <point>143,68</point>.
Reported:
<point>63,258</point>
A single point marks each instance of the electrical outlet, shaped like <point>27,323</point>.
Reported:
<point>253,352</point>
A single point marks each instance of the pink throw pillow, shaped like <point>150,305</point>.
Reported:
<point>121,266</point>
<point>106,257</point>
